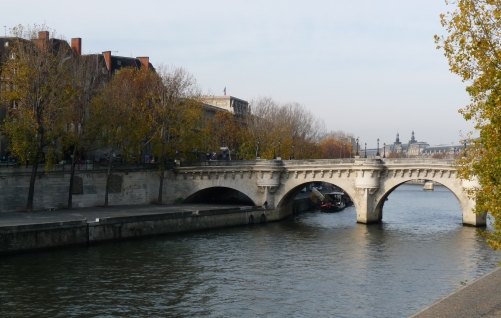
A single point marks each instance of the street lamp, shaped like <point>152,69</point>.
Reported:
<point>384,150</point>
<point>258,156</point>
<point>377,154</point>
<point>274,154</point>
<point>365,150</point>
<point>279,156</point>
<point>292,157</point>
<point>356,154</point>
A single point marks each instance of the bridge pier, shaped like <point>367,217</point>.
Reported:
<point>469,217</point>
<point>366,207</point>
<point>468,206</point>
<point>367,183</point>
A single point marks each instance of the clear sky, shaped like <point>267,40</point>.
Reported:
<point>366,67</point>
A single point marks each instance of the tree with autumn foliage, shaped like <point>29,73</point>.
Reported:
<point>332,148</point>
<point>176,122</point>
<point>289,127</point>
<point>38,71</point>
<point>82,127</point>
<point>396,154</point>
<point>123,111</point>
<point>473,48</point>
<point>226,131</point>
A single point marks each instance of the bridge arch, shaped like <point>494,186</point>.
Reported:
<point>454,185</point>
<point>203,185</point>
<point>287,192</point>
<point>384,197</point>
<point>219,195</point>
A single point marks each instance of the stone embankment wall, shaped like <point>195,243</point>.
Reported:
<point>302,205</point>
<point>23,238</point>
<point>51,190</point>
<point>128,188</point>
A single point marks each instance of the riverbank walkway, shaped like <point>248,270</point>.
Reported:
<point>92,213</point>
<point>481,298</point>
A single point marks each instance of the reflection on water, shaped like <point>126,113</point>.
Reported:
<point>316,265</point>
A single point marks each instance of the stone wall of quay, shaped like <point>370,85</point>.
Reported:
<point>51,190</point>
<point>302,205</point>
<point>24,238</point>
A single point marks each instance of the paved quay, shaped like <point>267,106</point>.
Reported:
<point>481,298</point>
<point>92,213</point>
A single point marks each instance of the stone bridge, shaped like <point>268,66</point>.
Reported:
<point>368,182</point>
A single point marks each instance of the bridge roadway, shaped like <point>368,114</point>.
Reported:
<point>368,182</point>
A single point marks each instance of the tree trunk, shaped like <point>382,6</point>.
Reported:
<point>108,177</point>
<point>161,186</point>
<point>31,192</point>
<point>72,176</point>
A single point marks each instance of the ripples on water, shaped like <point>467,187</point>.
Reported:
<point>316,265</point>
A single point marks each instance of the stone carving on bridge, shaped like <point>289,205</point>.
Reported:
<point>271,189</point>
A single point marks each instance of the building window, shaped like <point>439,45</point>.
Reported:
<point>119,62</point>
<point>6,44</point>
<point>116,71</point>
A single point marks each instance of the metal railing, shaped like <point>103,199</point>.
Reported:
<point>417,160</point>
<point>222,163</point>
<point>66,167</point>
<point>314,162</point>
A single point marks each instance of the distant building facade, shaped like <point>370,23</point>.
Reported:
<point>105,64</point>
<point>413,149</point>
<point>239,107</point>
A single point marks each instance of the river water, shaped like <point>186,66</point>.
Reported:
<point>314,265</point>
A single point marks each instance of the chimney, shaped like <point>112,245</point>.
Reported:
<point>76,46</point>
<point>145,61</point>
<point>107,59</point>
<point>43,35</point>
<point>43,40</point>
